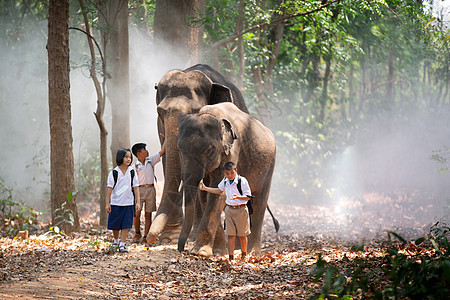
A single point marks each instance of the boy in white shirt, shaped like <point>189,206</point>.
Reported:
<point>236,211</point>
<point>145,170</point>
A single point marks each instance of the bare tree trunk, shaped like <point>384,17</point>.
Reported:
<point>261,107</point>
<point>390,93</point>
<point>278,32</point>
<point>172,31</point>
<point>324,97</point>
<point>61,141</point>
<point>101,100</point>
<point>240,28</point>
<point>114,20</point>
<point>195,43</point>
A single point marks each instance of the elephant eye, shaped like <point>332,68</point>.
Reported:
<point>209,151</point>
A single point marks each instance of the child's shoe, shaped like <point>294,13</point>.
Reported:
<point>123,249</point>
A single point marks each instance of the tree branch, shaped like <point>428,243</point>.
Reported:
<point>235,36</point>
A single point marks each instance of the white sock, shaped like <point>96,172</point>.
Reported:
<point>116,241</point>
<point>121,244</point>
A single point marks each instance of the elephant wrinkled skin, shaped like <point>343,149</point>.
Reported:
<point>182,92</point>
<point>217,134</point>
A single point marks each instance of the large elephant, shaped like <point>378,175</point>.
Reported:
<point>217,134</point>
<point>182,92</point>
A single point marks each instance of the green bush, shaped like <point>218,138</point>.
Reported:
<point>15,216</point>
<point>418,270</point>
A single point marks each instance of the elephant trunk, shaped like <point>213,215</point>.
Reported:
<point>169,212</point>
<point>191,181</point>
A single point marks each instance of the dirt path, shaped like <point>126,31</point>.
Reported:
<point>78,267</point>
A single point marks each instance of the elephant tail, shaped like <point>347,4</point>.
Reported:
<point>276,224</point>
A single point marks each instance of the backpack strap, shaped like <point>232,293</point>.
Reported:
<point>239,187</point>
<point>115,175</point>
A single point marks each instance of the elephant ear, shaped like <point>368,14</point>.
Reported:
<point>228,136</point>
<point>220,93</point>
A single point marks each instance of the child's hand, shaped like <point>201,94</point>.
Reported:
<point>108,208</point>
<point>138,206</point>
<point>234,197</point>
<point>201,185</point>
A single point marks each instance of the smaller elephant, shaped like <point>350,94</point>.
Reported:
<point>206,140</point>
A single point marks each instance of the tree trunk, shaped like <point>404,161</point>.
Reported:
<point>324,97</point>
<point>99,117</point>
<point>240,28</point>
<point>114,24</point>
<point>390,93</point>
<point>277,36</point>
<point>262,108</point>
<point>172,30</point>
<point>61,148</point>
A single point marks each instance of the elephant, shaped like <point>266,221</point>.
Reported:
<point>182,92</point>
<point>206,140</point>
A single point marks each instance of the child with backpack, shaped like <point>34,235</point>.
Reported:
<point>146,175</point>
<point>236,212</point>
<point>122,198</point>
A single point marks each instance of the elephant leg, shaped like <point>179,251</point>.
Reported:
<point>199,209</point>
<point>171,219</point>
<point>220,243</point>
<point>208,227</point>
<point>257,219</point>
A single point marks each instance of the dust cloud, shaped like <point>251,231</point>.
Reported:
<point>24,131</point>
<point>383,180</point>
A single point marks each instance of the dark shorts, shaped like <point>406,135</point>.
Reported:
<point>120,217</point>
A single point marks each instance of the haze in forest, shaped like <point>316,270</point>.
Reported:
<point>395,158</point>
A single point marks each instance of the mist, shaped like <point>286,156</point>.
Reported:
<point>382,181</point>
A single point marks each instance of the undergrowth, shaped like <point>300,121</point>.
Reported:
<point>409,270</point>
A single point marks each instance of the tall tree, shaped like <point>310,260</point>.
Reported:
<point>101,101</point>
<point>114,27</point>
<point>61,150</point>
<point>171,26</point>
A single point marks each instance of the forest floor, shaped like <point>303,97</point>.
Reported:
<point>79,266</point>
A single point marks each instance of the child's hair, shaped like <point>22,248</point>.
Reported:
<point>137,148</point>
<point>121,154</point>
<point>229,166</point>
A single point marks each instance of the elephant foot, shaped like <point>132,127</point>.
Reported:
<point>205,251</point>
<point>170,235</point>
<point>220,251</point>
<point>151,238</point>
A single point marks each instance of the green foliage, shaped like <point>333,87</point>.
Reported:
<point>441,157</point>
<point>418,270</point>
<point>64,214</point>
<point>15,216</point>
<point>87,181</point>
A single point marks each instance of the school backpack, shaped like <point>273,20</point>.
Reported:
<point>115,175</point>
<point>249,201</point>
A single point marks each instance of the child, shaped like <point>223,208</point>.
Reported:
<point>236,212</point>
<point>145,169</point>
<point>120,199</point>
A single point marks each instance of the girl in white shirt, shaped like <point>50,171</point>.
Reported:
<point>120,200</point>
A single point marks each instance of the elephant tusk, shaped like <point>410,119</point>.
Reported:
<point>181,186</point>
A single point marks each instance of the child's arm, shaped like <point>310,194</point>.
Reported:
<point>163,149</point>
<point>137,198</point>
<point>108,200</point>
<point>245,198</point>
<point>203,187</point>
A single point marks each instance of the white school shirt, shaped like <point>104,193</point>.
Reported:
<point>121,195</point>
<point>145,172</point>
<point>231,189</point>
